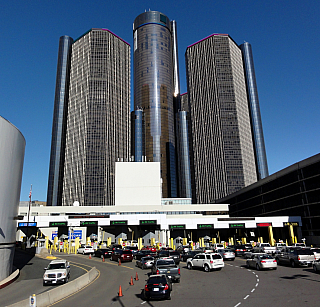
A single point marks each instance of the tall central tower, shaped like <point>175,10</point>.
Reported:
<point>153,92</point>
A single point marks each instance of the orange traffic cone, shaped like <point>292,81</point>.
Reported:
<point>89,256</point>
<point>136,276</point>
<point>120,292</point>
<point>119,263</point>
<point>102,259</point>
<point>131,282</point>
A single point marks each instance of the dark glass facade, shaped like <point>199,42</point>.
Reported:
<point>98,122</point>
<point>138,139</point>
<point>153,93</point>
<point>293,191</point>
<point>260,150</point>
<point>54,193</point>
<point>222,151</point>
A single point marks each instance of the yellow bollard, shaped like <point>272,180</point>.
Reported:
<point>108,241</point>
<point>271,240</point>
<point>120,241</point>
<point>153,241</point>
<point>55,243</point>
<point>184,241</point>
<point>171,242</point>
<point>47,243</point>
<point>291,234</point>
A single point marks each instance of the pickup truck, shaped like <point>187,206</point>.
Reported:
<point>265,248</point>
<point>167,267</point>
<point>296,256</point>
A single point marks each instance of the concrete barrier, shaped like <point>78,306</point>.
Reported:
<point>58,293</point>
<point>11,278</point>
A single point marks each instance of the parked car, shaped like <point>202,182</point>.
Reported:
<point>265,248</point>
<point>103,253</point>
<point>158,287</point>
<point>85,249</point>
<point>262,261</point>
<point>115,246</point>
<point>144,253</point>
<point>227,254</point>
<point>123,255</point>
<point>170,254</point>
<point>134,249</point>
<point>316,266</point>
<point>296,256</point>
<point>316,252</point>
<point>145,262</point>
<point>206,261</point>
<point>168,267</point>
<point>58,271</point>
<point>149,248</point>
<point>190,254</point>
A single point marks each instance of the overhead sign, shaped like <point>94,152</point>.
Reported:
<point>237,225</point>
<point>148,222</point>
<point>57,224</point>
<point>88,223</point>
<point>117,223</point>
<point>290,223</point>
<point>83,216</point>
<point>264,224</point>
<point>205,226</point>
<point>175,227</point>
<point>71,235</point>
<point>30,224</point>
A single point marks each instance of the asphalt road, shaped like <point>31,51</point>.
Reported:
<point>30,280</point>
<point>233,286</point>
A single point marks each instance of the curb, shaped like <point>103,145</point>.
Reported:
<point>11,278</point>
<point>52,296</point>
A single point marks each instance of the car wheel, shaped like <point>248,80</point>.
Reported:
<point>44,284</point>
<point>66,280</point>
<point>206,268</point>
<point>315,269</point>
<point>277,259</point>
<point>247,265</point>
<point>232,259</point>
<point>274,268</point>
<point>83,253</point>
<point>189,266</point>
<point>292,264</point>
<point>169,297</point>
<point>258,267</point>
<point>178,280</point>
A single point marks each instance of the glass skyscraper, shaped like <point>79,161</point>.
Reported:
<point>260,150</point>
<point>54,193</point>
<point>153,93</point>
<point>223,158</point>
<point>98,121</point>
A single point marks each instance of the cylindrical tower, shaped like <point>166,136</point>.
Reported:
<point>138,140</point>
<point>260,150</point>
<point>59,124</point>
<point>12,144</point>
<point>153,92</point>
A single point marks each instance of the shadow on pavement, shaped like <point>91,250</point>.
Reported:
<point>22,258</point>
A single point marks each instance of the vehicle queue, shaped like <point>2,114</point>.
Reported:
<point>164,262</point>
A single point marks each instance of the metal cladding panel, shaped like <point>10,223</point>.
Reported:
<point>260,149</point>
<point>12,144</point>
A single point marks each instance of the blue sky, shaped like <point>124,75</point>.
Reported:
<point>284,36</point>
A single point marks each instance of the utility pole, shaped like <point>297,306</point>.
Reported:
<point>28,241</point>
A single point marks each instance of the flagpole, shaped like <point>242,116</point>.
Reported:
<point>28,242</point>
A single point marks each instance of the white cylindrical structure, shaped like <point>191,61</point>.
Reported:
<point>12,146</point>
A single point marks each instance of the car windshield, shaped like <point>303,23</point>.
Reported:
<point>56,266</point>
<point>174,253</point>
<point>266,257</point>
<point>316,250</point>
<point>165,262</point>
<point>127,252</point>
<point>133,248</point>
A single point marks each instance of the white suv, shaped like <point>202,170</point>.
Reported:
<point>85,249</point>
<point>58,271</point>
<point>207,261</point>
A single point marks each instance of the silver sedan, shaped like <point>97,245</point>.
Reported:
<point>227,254</point>
<point>316,266</point>
<point>145,262</point>
<point>261,261</point>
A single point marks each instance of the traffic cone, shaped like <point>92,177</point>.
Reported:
<point>89,256</point>
<point>102,259</point>
<point>131,282</point>
<point>120,291</point>
<point>119,263</point>
<point>136,276</point>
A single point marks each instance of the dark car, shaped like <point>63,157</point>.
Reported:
<point>134,249</point>
<point>144,253</point>
<point>115,246</point>
<point>170,254</point>
<point>190,254</point>
<point>157,287</point>
<point>240,250</point>
<point>123,255</point>
<point>103,253</point>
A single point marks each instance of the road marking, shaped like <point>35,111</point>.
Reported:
<point>253,290</point>
<point>246,297</point>
<point>237,305</point>
<point>257,284</point>
<point>257,279</point>
<point>236,266</point>
<point>257,276</point>
<point>143,302</point>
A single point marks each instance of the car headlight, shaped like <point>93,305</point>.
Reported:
<point>45,276</point>
<point>64,274</point>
